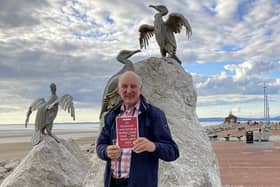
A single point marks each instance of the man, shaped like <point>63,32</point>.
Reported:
<point>138,166</point>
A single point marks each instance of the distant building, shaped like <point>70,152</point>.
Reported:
<point>231,118</point>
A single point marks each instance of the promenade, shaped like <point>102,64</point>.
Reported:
<point>248,165</point>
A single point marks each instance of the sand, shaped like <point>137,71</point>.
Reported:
<point>15,146</point>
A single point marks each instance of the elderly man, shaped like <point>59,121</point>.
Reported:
<point>136,166</point>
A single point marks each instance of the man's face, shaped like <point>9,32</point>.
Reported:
<point>129,89</point>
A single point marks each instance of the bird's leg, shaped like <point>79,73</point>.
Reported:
<point>43,130</point>
<point>176,58</point>
<point>49,131</point>
<point>163,52</point>
<point>173,55</point>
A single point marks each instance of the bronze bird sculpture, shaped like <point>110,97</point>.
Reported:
<point>46,113</point>
<point>164,31</point>
<point>111,97</point>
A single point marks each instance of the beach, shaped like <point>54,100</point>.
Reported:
<point>15,142</point>
<point>17,150</point>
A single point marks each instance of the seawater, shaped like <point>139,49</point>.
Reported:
<point>62,126</point>
<point>210,123</point>
<point>79,126</point>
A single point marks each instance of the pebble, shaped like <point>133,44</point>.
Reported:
<point>3,163</point>
<point>11,165</point>
<point>6,167</point>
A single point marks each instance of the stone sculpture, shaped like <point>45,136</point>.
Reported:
<point>164,31</point>
<point>46,113</point>
<point>110,96</point>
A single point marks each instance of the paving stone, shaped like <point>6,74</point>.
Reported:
<point>248,165</point>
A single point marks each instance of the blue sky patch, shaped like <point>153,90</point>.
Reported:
<point>230,48</point>
<point>78,14</point>
<point>89,34</point>
<point>209,68</point>
<point>109,20</point>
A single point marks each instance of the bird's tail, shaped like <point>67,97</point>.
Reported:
<point>36,137</point>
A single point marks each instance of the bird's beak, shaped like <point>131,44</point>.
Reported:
<point>133,52</point>
<point>153,6</point>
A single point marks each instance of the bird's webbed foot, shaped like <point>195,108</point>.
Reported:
<point>54,137</point>
<point>176,58</point>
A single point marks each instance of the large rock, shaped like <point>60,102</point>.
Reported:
<point>50,164</point>
<point>168,86</point>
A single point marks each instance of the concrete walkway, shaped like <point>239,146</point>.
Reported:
<point>248,165</point>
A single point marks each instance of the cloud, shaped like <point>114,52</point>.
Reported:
<point>15,13</point>
<point>226,9</point>
<point>75,43</point>
<point>229,99</point>
<point>223,84</point>
<point>254,67</point>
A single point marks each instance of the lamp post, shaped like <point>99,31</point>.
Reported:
<point>264,105</point>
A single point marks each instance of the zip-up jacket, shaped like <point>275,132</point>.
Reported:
<point>153,125</point>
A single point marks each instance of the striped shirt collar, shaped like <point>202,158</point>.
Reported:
<point>133,111</point>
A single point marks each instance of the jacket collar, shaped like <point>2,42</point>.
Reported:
<point>144,104</point>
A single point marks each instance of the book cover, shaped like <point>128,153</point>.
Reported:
<point>127,131</point>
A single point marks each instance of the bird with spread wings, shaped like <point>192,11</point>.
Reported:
<point>46,113</point>
<point>164,31</point>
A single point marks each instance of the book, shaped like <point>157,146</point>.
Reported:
<point>127,131</point>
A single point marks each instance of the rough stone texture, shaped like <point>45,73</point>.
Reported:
<point>95,176</point>
<point>168,86</point>
<point>11,165</point>
<point>3,163</point>
<point>6,167</point>
<point>50,164</point>
<point>3,171</point>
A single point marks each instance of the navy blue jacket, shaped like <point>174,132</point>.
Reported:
<point>144,166</point>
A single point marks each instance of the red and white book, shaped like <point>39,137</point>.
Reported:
<point>127,131</point>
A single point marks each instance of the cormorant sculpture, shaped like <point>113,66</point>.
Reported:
<point>46,113</point>
<point>164,31</point>
<point>111,97</point>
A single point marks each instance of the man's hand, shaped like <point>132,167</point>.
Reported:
<point>143,144</point>
<point>113,152</point>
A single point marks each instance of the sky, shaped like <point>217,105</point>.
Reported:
<point>233,50</point>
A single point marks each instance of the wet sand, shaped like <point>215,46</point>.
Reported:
<point>15,147</point>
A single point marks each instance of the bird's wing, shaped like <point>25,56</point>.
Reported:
<point>37,104</point>
<point>66,103</point>
<point>146,32</point>
<point>34,106</point>
<point>175,22</point>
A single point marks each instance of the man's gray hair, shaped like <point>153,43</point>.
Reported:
<point>138,78</point>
